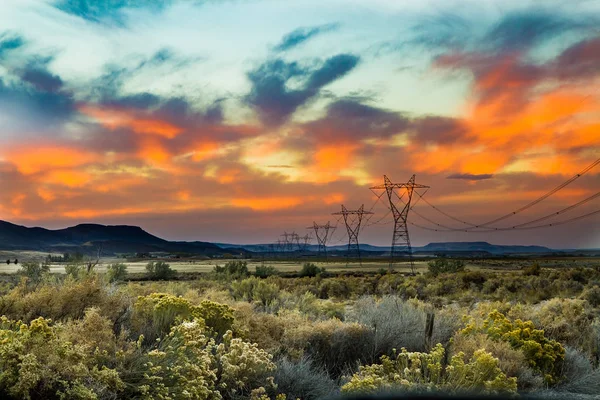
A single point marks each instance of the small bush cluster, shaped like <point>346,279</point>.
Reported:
<point>159,270</point>
<point>232,270</point>
<point>445,265</point>
<point>542,354</point>
<point>413,371</point>
<point>116,272</point>
<point>311,270</point>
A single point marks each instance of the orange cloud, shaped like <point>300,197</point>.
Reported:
<point>152,152</point>
<point>32,159</point>
<point>71,178</point>
<point>113,118</point>
<point>267,203</point>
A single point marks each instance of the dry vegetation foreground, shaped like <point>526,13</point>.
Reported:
<point>287,330</point>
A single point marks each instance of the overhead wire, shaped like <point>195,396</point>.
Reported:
<point>519,210</point>
<point>562,222</point>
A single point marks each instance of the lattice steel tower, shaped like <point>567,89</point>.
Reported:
<point>322,234</point>
<point>353,219</point>
<point>400,208</point>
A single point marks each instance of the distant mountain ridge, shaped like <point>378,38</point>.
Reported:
<point>115,239</point>
<point>431,248</point>
<point>88,237</point>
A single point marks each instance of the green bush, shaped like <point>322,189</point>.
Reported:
<point>264,271</point>
<point>445,265</point>
<point>159,270</point>
<point>34,271</point>
<point>428,372</point>
<point>154,315</point>
<point>37,364</point>
<point>542,354</point>
<point>255,289</point>
<point>116,272</point>
<point>304,380</point>
<point>232,270</point>
<point>532,270</point>
<point>311,270</point>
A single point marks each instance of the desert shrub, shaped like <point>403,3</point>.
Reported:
<point>218,318</point>
<point>334,287</point>
<point>308,304</point>
<point>542,354</point>
<point>232,270</point>
<point>592,295</point>
<point>264,271</point>
<point>257,327</point>
<point>302,379</point>
<point>181,367</point>
<point>427,371</point>
<point>397,323</point>
<point>34,271</point>
<point>512,362</point>
<point>61,302</point>
<point>254,289</point>
<point>159,270</point>
<point>532,270</point>
<point>578,374</point>
<point>243,367</point>
<point>473,279</point>
<point>311,270</point>
<point>36,363</point>
<point>94,333</point>
<point>568,321</point>
<point>154,315</point>
<point>332,344</point>
<point>116,272</point>
<point>75,270</point>
<point>444,265</point>
<point>189,364</point>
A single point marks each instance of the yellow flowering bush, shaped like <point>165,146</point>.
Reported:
<point>157,313</point>
<point>414,371</point>
<point>542,354</point>
<point>189,364</point>
<point>36,363</point>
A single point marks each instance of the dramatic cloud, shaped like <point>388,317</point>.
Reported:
<point>301,35</point>
<point>272,98</point>
<point>155,114</point>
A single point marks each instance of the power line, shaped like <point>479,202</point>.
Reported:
<point>566,221</point>
<point>519,210</point>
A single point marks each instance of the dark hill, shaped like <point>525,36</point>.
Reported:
<point>87,237</point>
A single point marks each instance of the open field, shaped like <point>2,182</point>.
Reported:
<point>335,265</point>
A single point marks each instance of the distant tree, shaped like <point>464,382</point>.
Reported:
<point>116,272</point>
<point>159,270</point>
<point>16,261</point>
<point>233,269</point>
<point>445,265</point>
<point>310,269</point>
<point>34,271</point>
<point>8,261</point>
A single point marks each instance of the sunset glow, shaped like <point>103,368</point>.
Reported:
<point>155,117</point>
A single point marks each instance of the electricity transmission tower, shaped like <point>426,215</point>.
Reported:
<point>322,234</point>
<point>305,241</point>
<point>353,219</point>
<point>400,208</point>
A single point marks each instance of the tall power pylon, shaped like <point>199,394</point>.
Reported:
<point>400,208</point>
<point>353,219</point>
<point>322,234</point>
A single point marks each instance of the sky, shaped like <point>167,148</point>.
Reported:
<point>236,120</point>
